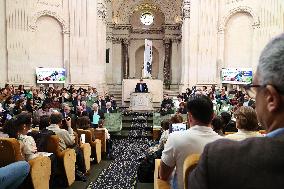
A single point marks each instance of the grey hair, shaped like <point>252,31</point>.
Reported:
<point>271,63</point>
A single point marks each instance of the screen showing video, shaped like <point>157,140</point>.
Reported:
<point>237,75</point>
<point>177,127</point>
<point>50,75</point>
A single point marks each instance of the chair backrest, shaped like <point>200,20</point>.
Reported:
<point>52,145</point>
<point>88,135</point>
<point>100,134</point>
<point>10,151</point>
<point>189,164</point>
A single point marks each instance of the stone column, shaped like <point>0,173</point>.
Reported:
<point>175,61</point>
<point>125,58</point>
<point>167,63</point>
<point>185,46</point>
<point>101,46</point>
<point>117,71</point>
<point>3,44</point>
<point>66,61</point>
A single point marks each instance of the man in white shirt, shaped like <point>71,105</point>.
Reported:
<point>192,141</point>
<point>66,138</point>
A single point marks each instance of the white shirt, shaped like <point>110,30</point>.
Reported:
<point>181,144</point>
<point>28,147</point>
<point>66,138</point>
<point>243,134</point>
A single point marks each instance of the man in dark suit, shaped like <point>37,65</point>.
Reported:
<point>108,108</point>
<point>141,87</point>
<point>101,102</point>
<point>255,162</point>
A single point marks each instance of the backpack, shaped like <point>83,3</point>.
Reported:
<point>41,138</point>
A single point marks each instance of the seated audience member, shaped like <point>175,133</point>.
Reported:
<point>247,124</point>
<point>141,87</point>
<point>19,107</point>
<point>218,125</point>
<point>165,124</point>
<point>261,157</point>
<point>14,174</point>
<point>66,111</point>
<point>83,123</point>
<point>182,109</point>
<point>67,139</point>
<point>86,109</point>
<point>113,102</point>
<point>176,119</point>
<point>107,136</point>
<point>167,105</point>
<point>101,102</point>
<point>180,144</point>
<point>229,124</point>
<point>96,115</point>
<point>29,147</point>
<point>108,108</point>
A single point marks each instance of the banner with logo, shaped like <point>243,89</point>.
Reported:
<point>148,57</point>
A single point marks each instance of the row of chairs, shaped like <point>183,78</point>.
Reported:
<point>41,166</point>
<point>189,164</point>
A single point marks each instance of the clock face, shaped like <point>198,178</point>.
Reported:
<point>147,18</point>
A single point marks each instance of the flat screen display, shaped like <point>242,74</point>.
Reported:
<point>177,127</point>
<point>50,75</point>
<point>237,75</point>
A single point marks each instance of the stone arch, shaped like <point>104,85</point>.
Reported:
<point>138,64</point>
<point>232,12</point>
<point>33,26</point>
<point>168,8</point>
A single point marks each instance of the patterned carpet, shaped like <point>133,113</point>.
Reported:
<point>122,172</point>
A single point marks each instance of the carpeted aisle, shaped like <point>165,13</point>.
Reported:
<point>122,172</point>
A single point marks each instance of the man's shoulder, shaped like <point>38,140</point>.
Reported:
<point>252,145</point>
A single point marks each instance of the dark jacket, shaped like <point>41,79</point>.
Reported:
<point>144,88</point>
<point>100,113</point>
<point>254,163</point>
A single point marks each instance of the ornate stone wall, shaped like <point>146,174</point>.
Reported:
<point>125,25</point>
<point>76,28</point>
<point>208,30</point>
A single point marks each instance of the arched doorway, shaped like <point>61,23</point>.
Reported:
<point>139,61</point>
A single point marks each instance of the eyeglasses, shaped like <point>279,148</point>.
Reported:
<point>252,89</point>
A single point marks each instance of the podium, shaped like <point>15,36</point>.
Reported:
<point>141,102</point>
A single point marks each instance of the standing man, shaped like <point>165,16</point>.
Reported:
<point>255,162</point>
<point>192,141</point>
<point>141,87</point>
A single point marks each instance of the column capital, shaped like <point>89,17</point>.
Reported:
<point>186,9</point>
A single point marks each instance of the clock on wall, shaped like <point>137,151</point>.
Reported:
<point>147,18</point>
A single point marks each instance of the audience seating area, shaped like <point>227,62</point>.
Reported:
<point>188,165</point>
<point>40,166</point>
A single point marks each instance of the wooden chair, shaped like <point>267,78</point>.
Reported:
<point>228,133</point>
<point>100,134</point>
<point>95,144</point>
<point>66,158</point>
<point>86,149</point>
<point>158,183</point>
<point>188,165</point>
<point>40,166</point>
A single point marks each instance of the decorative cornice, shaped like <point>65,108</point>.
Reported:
<point>226,18</point>
<point>101,11</point>
<point>172,27</point>
<point>121,26</point>
<point>35,17</point>
<point>186,9</point>
<point>148,31</point>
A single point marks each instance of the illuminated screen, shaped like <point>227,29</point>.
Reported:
<point>50,75</point>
